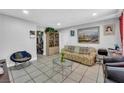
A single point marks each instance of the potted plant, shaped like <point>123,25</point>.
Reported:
<point>62,56</point>
<point>49,29</point>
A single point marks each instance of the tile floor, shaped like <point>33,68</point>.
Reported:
<point>42,72</point>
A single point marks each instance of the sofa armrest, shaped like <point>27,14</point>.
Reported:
<point>113,59</point>
<point>115,73</point>
<point>118,64</point>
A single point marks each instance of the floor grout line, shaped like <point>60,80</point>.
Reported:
<point>12,76</point>
<point>41,71</point>
<point>98,74</point>
<point>16,77</point>
<point>29,75</point>
<point>83,74</point>
<point>44,72</point>
<point>70,73</point>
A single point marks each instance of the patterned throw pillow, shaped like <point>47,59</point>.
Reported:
<point>84,50</point>
<point>71,48</point>
<point>66,48</point>
<point>77,49</point>
<point>1,71</point>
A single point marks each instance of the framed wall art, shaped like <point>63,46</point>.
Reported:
<point>88,35</point>
<point>109,29</point>
<point>72,33</point>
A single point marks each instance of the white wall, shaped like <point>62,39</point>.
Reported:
<point>105,41</point>
<point>14,36</point>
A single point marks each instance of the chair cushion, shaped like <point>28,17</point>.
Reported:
<point>18,55</point>
<point>22,59</point>
<point>116,64</point>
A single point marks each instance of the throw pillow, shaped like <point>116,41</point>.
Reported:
<point>84,50</point>
<point>71,48</point>
<point>1,71</point>
<point>66,48</point>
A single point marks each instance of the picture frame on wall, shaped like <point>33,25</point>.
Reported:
<point>72,33</point>
<point>89,35</point>
<point>109,29</point>
<point>32,34</point>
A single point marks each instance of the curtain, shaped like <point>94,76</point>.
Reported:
<point>122,31</point>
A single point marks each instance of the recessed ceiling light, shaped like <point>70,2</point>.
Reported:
<point>94,14</point>
<point>58,24</point>
<point>25,12</point>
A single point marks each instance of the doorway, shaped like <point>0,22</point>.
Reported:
<point>40,42</point>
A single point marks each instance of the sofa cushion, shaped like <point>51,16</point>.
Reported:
<point>84,50</point>
<point>65,48</point>
<point>76,50</point>
<point>92,49</point>
<point>71,48</point>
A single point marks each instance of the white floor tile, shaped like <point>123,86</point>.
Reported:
<point>35,73</point>
<point>87,80</point>
<point>69,81</point>
<point>22,79</point>
<point>50,81</point>
<point>59,78</point>
<point>40,79</point>
<point>18,73</point>
<point>75,76</point>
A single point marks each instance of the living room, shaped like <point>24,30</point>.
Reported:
<point>56,49</point>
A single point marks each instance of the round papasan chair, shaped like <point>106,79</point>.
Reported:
<point>20,57</point>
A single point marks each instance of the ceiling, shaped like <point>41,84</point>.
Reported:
<point>67,17</point>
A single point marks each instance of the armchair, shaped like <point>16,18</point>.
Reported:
<point>114,69</point>
<point>114,75</point>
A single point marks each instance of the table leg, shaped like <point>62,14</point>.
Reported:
<point>53,67</point>
<point>62,72</point>
<point>71,68</point>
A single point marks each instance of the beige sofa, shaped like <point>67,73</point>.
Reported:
<point>84,55</point>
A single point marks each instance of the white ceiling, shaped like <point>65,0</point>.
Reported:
<point>67,17</point>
